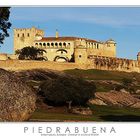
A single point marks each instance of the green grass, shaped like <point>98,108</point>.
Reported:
<point>44,115</point>
<point>93,74</point>
<point>110,110</point>
<point>103,87</point>
<point>107,113</point>
<point>100,113</point>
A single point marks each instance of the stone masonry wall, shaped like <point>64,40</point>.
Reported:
<point>102,63</point>
<point>112,63</point>
<point>24,65</point>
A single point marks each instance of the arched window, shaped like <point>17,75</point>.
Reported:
<point>17,35</point>
<point>36,44</point>
<point>40,44</point>
<point>97,46</point>
<point>23,35</point>
<point>48,44</point>
<point>69,44</point>
<point>28,34</point>
<point>52,44</point>
<point>89,45</point>
<point>64,44</point>
<point>56,44</point>
<point>44,44</point>
<point>60,44</point>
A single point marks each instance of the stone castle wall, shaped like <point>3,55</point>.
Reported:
<point>115,64</point>
<point>24,65</point>
<point>93,63</point>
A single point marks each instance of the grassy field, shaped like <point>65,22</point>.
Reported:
<point>93,74</point>
<point>100,75</point>
<point>100,114</point>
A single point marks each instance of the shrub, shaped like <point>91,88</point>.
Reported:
<point>119,87</point>
<point>126,81</point>
<point>63,90</point>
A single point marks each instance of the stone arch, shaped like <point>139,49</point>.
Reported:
<point>64,44</point>
<point>61,59</point>
<point>62,51</point>
<point>44,44</point>
<point>36,44</point>
<point>48,44</point>
<point>56,44</point>
<point>97,46</point>
<point>52,44</point>
<point>60,44</point>
<point>40,44</point>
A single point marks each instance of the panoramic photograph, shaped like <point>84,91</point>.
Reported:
<point>69,64</point>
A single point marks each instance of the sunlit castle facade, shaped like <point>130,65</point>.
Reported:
<point>64,48</point>
<point>95,54</point>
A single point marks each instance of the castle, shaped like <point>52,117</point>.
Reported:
<point>82,51</point>
<point>63,48</point>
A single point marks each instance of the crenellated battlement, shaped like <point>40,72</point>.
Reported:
<point>111,63</point>
<point>24,37</point>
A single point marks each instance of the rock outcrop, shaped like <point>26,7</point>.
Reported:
<point>114,98</point>
<point>17,100</point>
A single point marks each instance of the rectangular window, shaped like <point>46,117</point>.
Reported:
<point>97,46</point>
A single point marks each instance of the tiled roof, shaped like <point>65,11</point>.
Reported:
<point>63,39</point>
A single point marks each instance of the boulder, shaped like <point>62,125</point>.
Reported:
<point>17,100</point>
<point>138,91</point>
<point>115,98</point>
<point>97,102</point>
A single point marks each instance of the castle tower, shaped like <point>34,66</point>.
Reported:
<point>80,55</point>
<point>111,45</point>
<point>25,37</point>
<point>138,57</point>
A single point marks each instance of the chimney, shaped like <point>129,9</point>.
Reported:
<point>57,34</point>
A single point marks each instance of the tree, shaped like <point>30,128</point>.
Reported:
<point>4,24</point>
<point>31,53</point>
<point>62,91</point>
<point>127,81</point>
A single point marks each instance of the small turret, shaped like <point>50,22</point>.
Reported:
<point>110,41</point>
<point>111,45</point>
<point>138,56</point>
<point>38,37</point>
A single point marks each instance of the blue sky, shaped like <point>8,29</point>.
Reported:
<point>99,23</point>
